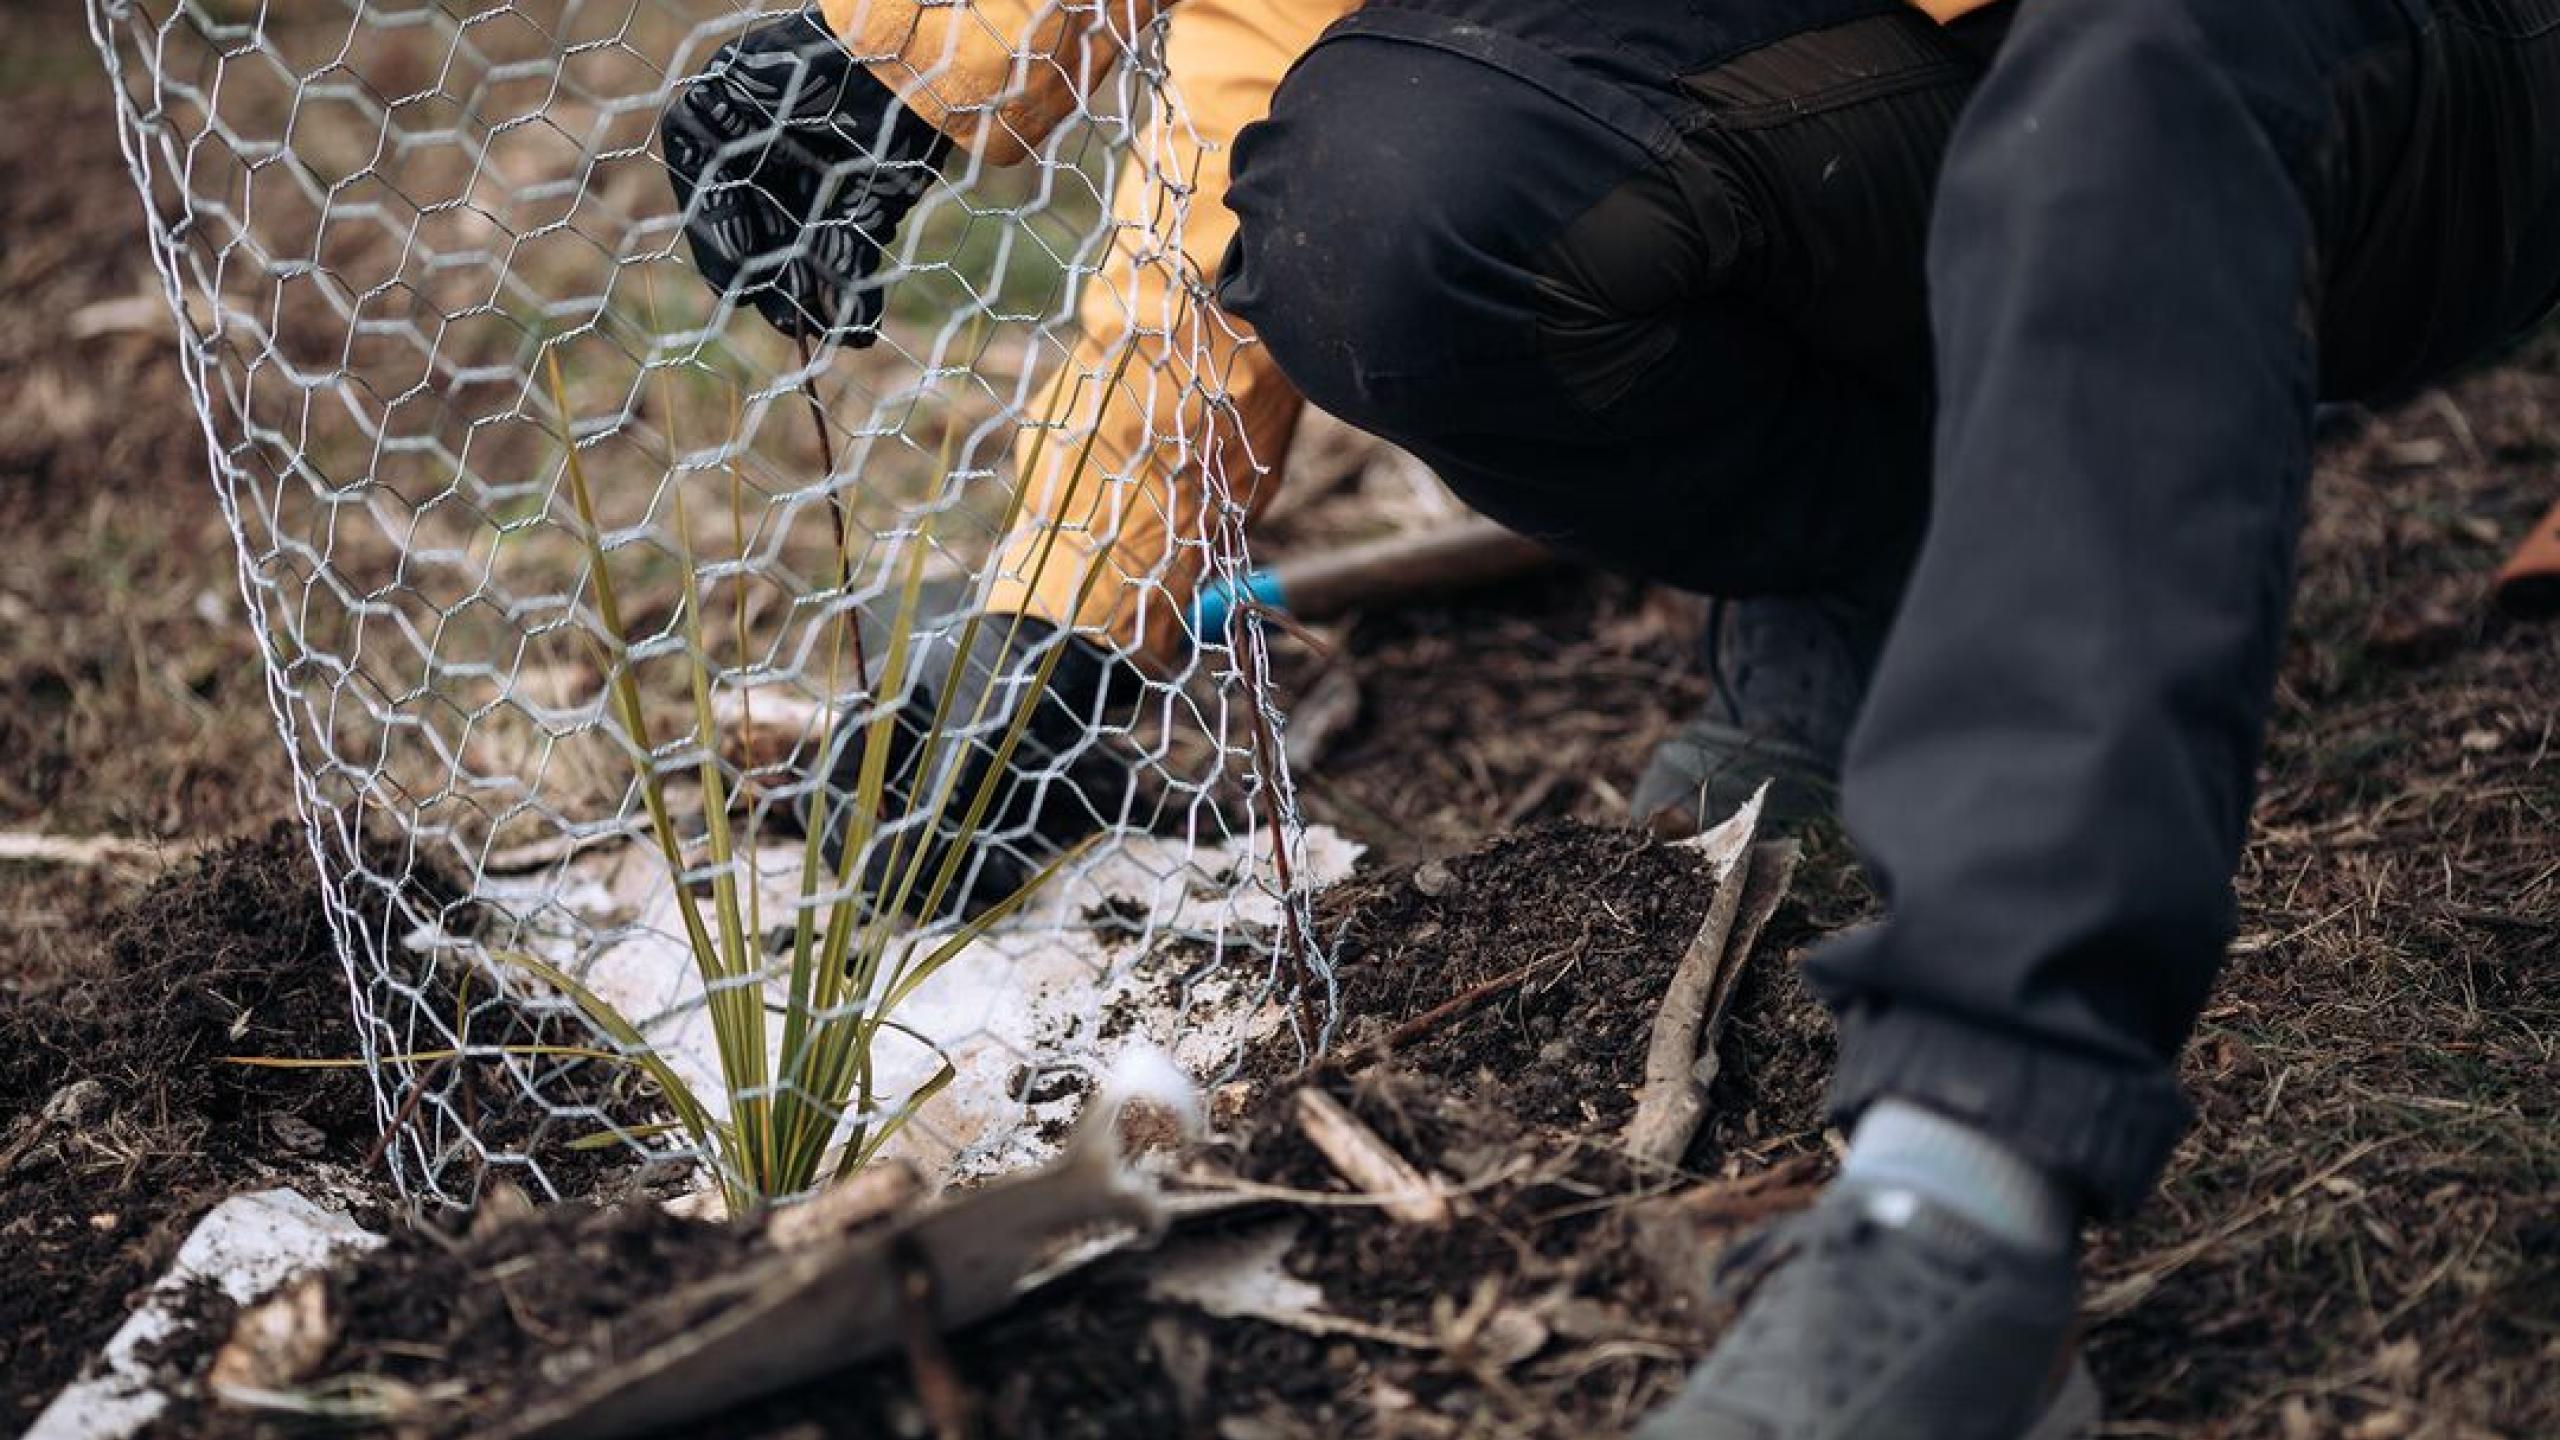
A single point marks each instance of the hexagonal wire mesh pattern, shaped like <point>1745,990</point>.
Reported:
<point>379,223</point>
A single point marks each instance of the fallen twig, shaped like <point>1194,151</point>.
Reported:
<point>1788,1185</point>
<point>1671,1104</point>
<point>1358,1155</point>
<point>1680,1235</point>
<point>1456,1007</point>
<point>27,847</point>
<point>1227,1192</point>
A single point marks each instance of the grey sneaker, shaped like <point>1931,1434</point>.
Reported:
<point>1876,1315</point>
<point>1789,674</point>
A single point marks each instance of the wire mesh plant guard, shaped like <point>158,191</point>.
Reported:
<point>378,225</point>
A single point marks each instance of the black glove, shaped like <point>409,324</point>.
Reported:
<point>1066,779</point>
<point>794,166</point>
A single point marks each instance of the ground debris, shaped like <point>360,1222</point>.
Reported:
<point>1564,935</point>
<point>153,1123</point>
<point>1370,1164</point>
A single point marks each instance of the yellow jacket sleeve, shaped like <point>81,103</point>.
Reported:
<point>995,75</point>
<point>998,75</point>
<point>1200,415</point>
<point>1198,396</point>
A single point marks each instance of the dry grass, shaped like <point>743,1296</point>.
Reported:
<point>134,704</point>
<point>2359,1239</point>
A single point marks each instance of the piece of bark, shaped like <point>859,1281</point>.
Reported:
<point>873,1193</point>
<point>1772,873</point>
<point>1358,1155</point>
<point>788,1317</point>
<point>1670,1106</point>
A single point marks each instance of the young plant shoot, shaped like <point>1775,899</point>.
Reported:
<point>807,1108</point>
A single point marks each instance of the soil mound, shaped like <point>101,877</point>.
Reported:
<point>123,1116</point>
<point>1578,1320</point>
<point>1593,920</point>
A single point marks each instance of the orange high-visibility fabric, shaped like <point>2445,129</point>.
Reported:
<point>1142,496</point>
<point>995,75</point>
<point>998,76</point>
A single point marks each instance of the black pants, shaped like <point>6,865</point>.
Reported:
<point>1666,282</point>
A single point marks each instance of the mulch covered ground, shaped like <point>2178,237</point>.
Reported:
<point>135,707</point>
<point>126,1113</point>
<point>2359,1240</point>
<point>1543,1307</point>
<point>1567,1044</point>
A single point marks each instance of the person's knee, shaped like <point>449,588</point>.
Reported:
<point>2273,60</point>
<point>1391,215</point>
<point>1353,208</point>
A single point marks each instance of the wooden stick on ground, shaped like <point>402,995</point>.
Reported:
<point>83,851</point>
<point>1358,1155</point>
<point>1772,871</point>
<point>1672,1103</point>
<point>1681,1064</point>
<point>1456,1007</point>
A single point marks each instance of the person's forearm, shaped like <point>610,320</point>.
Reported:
<point>995,75</point>
<point>1136,515</point>
<point>1201,416</point>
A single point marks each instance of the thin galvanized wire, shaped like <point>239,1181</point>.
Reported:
<point>375,220</point>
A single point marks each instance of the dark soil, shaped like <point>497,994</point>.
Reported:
<point>230,957</point>
<point>123,1116</point>
<point>511,1310</point>
<point>1537,700</point>
<point>1610,912</point>
<point>472,1325</point>
<point>1505,1103</point>
<point>504,1303</point>
<point>1603,915</point>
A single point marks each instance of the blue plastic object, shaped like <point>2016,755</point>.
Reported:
<point>1217,600</point>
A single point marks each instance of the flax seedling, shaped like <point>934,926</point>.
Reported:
<point>804,1105</point>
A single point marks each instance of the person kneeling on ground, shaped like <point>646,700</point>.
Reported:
<point>1979,349</point>
<point>797,165</point>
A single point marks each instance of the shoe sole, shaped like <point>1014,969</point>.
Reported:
<point>2074,1413</point>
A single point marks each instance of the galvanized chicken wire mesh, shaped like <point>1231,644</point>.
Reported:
<point>380,223</point>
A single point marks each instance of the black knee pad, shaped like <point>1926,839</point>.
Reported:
<point>1394,212</point>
